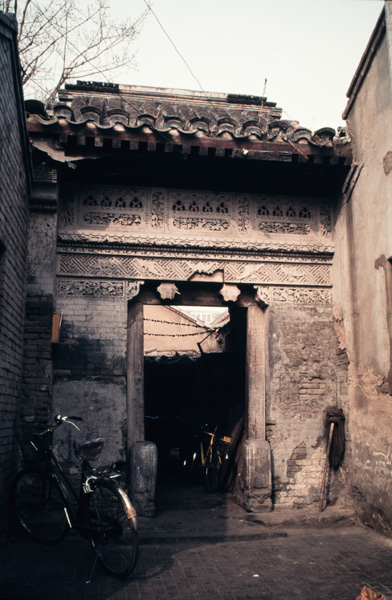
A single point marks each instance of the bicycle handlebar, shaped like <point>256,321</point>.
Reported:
<point>59,420</point>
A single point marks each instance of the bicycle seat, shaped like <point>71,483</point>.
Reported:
<point>89,449</point>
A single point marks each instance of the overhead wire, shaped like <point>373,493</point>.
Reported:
<point>179,53</point>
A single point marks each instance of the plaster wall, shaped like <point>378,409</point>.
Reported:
<point>362,292</point>
<point>42,253</point>
<point>90,374</point>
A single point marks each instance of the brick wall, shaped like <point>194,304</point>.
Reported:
<point>36,398</point>
<point>308,375</point>
<point>13,248</point>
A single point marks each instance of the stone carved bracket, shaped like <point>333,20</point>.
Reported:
<point>167,291</point>
<point>133,289</point>
<point>229,292</point>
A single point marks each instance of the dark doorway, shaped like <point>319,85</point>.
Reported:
<point>185,394</point>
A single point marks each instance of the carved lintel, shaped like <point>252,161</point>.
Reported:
<point>167,291</point>
<point>133,289</point>
<point>229,292</point>
<point>263,295</point>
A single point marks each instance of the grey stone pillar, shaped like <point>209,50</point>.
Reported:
<point>256,345</point>
<point>144,463</point>
<point>135,375</point>
<point>256,485</point>
<point>142,456</point>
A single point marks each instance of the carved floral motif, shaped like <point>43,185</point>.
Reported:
<point>91,288</point>
<point>107,218</point>
<point>157,205</point>
<point>295,228</point>
<point>229,292</point>
<point>174,235</point>
<point>292,295</point>
<point>190,242</point>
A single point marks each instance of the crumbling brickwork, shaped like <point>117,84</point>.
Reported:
<point>13,247</point>
<point>308,376</point>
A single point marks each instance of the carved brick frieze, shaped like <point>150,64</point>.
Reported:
<point>90,288</point>
<point>125,290</point>
<point>182,269</point>
<point>275,295</point>
<point>200,217</point>
<point>165,244</point>
<point>113,238</point>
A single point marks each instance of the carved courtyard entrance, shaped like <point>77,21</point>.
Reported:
<point>170,398</point>
<point>266,256</point>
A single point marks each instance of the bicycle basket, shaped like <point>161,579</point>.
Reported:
<point>88,450</point>
<point>33,451</point>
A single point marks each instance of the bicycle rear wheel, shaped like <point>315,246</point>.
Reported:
<point>114,540</point>
<point>39,507</point>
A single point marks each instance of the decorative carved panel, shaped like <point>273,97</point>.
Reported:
<point>272,295</point>
<point>182,269</point>
<point>90,288</point>
<point>107,212</point>
<point>113,238</point>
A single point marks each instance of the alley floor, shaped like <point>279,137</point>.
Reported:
<point>206,547</point>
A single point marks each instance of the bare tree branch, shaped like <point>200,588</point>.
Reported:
<point>63,39</point>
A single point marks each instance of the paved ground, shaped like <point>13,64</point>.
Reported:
<point>205,547</point>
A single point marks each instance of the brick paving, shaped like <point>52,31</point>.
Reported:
<point>211,553</point>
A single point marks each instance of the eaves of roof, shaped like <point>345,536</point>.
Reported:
<point>365,63</point>
<point>70,140</point>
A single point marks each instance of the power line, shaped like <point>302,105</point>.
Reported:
<point>176,49</point>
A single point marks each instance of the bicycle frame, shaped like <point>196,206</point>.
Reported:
<point>56,472</point>
<point>77,519</point>
<point>209,449</point>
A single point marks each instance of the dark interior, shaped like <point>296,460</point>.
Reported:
<point>184,395</point>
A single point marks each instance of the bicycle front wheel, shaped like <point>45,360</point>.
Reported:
<point>212,471</point>
<point>114,538</point>
<point>39,507</point>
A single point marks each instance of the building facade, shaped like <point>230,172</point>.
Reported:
<point>146,196</point>
<point>363,277</point>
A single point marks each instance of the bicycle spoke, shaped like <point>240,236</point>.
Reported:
<point>39,507</point>
<point>114,539</point>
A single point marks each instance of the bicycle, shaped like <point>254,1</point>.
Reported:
<point>216,462</point>
<point>212,460</point>
<point>47,506</point>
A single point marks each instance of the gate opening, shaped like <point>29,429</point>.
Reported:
<point>194,379</point>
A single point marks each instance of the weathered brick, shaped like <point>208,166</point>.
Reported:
<point>13,252</point>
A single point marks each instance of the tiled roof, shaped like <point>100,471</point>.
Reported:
<point>109,108</point>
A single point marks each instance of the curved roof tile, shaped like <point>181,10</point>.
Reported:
<point>190,113</point>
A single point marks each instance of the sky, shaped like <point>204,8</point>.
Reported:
<point>301,54</point>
